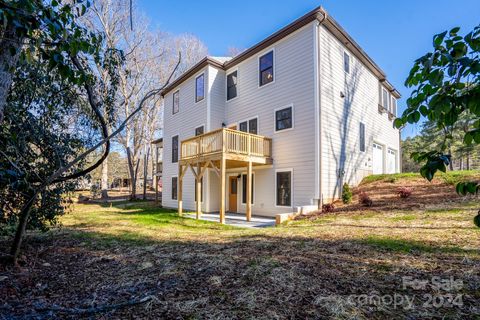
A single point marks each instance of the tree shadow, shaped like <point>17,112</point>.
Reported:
<point>244,276</point>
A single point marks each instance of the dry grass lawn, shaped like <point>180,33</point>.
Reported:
<point>350,264</point>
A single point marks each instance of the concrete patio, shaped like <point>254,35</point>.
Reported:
<point>236,219</point>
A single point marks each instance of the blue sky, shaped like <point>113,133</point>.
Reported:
<point>393,33</point>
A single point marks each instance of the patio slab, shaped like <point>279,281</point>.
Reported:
<point>236,219</point>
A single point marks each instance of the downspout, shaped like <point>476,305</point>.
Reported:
<point>320,18</point>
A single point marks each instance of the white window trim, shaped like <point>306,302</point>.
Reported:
<point>179,147</point>
<point>248,124</point>
<point>275,118</point>
<point>195,88</point>
<point>226,85</point>
<point>274,67</point>
<point>171,187</point>
<point>173,102</point>
<point>241,195</point>
<point>204,128</point>
<point>345,52</point>
<point>291,187</point>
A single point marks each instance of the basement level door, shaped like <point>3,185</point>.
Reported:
<point>232,194</point>
<point>391,161</point>
<point>377,158</point>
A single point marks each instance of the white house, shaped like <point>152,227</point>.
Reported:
<point>315,112</point>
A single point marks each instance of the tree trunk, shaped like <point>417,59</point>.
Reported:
<point>468,161</point>
<point>22,225</point>
<point>133,177</point>
<point>11,43</point>
<point>145,173</point>
<point>104,182</point>
<point>451,162</point>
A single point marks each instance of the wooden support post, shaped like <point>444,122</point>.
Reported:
<point>155,179</point>
<point>198,181</point>
<point>249,191</point>
<point>180,189</point>
<point>223,165</point>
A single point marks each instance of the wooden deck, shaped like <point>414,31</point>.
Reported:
<point>220,150</point>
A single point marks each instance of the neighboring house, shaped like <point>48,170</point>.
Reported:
<point>316,112</point>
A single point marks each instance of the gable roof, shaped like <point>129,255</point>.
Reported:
<point>316,14</point>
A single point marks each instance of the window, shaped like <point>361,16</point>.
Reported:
<point>244,188</point>
<point>174,188</point>
<point>362,136</point>
<point>346,62</point>
<point>250,126</point>
<point>394,106</point>
<point>266,68</point>
<point>243,126</point>
<point>386,105</point>
<point>176,102</point>
<point>284,188</point>
<point>200,88</point>
<point>201,190</point>
<point>199,130</point>
<point>174,149</point>
<point>284,119</point>
<point>232,85</point>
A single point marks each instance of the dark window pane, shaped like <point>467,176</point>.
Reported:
<point>362,136</point>
<point>199,88</point>
<point>174,188</point>
<point>232,85</point>
<point>199,131</point>
<point>174,149</point>
<point>176,102</point>
<point>252,126</point>
<point>266,68</point>
<point>266,76</point>
<point>284,189</point>
<point>243,126</point>
<point>244,189</point>
<point>283,119</point>
<point>346,62</point>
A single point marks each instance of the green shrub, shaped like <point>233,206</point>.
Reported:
<point>346,193</point>
<point>476,220</point>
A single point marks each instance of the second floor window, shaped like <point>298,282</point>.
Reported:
<point>232,85</point>
<point>200,88</point>
<point>394,106</point>
<point>386,105</point>
<point>176,102</point>
<point>346,62</point>
<point>284,119</point>
<point>175,149</point>
<point>250,126</point>
<point>266,68</point>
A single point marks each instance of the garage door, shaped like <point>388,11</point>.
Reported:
<point>377,158</point>
<point>391,161</point>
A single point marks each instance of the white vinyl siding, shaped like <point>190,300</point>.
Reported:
<point>342,160</point>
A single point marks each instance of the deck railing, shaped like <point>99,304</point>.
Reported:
<point>227,141</point>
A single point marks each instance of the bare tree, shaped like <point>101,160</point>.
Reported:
<point>149,55</point>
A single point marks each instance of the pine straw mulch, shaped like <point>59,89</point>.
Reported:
<point>425,195</point>
<point>257,276</point>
